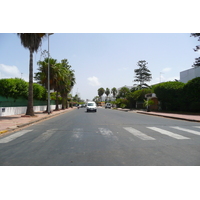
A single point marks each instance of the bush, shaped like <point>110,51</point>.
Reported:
<point>192,95</point>
<point>39,92</point>
<point>14,88</point>
<point>170,94</point>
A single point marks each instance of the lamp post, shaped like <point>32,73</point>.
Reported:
<point>49,110</point>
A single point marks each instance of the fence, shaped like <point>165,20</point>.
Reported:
<point>10,106</point>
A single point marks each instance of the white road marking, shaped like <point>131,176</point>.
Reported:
<point>77,133</point>
<point>45,136</point>
<point>107,133</point>
<point>14,136</point>
<point>186,130</point>
<point>138,134</point>
<point>164,132</point>
<point>196,126</point>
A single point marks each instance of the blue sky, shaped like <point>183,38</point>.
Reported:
<point>104,59</point>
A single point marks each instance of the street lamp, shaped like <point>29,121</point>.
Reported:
<point>49,110</point>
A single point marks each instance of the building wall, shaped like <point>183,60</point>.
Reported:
<point>189,74</point>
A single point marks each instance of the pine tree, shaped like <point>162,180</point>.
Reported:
<point>142,74</point>
<point>197,60</point>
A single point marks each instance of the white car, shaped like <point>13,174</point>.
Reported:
<point>108,105</point>
<point>91,106</point>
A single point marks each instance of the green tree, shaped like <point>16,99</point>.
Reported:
<point>170,94</point>
<point>114,92</point>
<point>101,91</point>
<point>14,88</point>
<point>142,74</point>
<point>197,60</point>
<point>67,83</point>
<point>123,92</point>
<point>107,92</point>
<point>42,75</point>
<point>39,92</point>
<point>191,95</point>
<point>31,41</point>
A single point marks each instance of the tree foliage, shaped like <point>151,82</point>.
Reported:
<point>170,94</point>
<point>123,92</point>
<point>142,74</point>
<point>62,78</point>
<point>39,92</point>
<point>197,60</point>
<point>14,88</point>
<point>191,92</point>
<point>101,91</point>
<point>114,91</point>
<point>18,88</point>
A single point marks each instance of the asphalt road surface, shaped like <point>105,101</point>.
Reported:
<point>106,138</point>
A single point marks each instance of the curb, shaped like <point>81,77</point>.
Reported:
<point>173,117</point>
<point>4,131</point>
<point>34,121</point>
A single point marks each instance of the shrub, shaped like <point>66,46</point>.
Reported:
<point>39,92</point>
<point>14,88</point>
<point>192,94</point>
<point>170,94</point>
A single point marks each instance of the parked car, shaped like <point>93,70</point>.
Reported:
<point>91,106</point>
<point>108,105</point>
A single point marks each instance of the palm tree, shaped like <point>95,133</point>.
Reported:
<point>101,92</point>
<point>31,41</point>
<point>114,91</point>
<point>67,83</point>
<point>42,76</point>
<point>107,92</point>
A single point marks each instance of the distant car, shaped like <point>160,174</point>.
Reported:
<point>108,105</point>
<point>91,106</point>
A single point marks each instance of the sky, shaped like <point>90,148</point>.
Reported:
<point>104,59</point>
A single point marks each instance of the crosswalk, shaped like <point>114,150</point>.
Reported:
<point>148,133</point>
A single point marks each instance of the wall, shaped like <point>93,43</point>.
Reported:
<point>5,111</point>
<point>189,74</point>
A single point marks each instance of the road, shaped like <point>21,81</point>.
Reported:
<point>106,138</point>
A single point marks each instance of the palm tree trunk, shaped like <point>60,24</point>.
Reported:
<point>57,107</point>
<point>29,110</point>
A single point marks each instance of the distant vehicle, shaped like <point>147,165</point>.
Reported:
<point>91,106</point>
<point>108,105</point>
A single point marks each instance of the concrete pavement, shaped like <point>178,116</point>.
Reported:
<point>13,122</point>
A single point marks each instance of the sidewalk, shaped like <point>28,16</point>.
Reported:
<point>188,117</point>
<point>13,122</point>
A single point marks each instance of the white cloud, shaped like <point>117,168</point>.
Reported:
<point>166,69</point>
<point>9,71</point>
<point>94,81</point>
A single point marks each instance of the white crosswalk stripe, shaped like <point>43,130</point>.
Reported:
<point>186,130</point>
<point>45,136</point>
<point>108,134</point>
<point>196,126</point>
<point>14,136</point>
<point>138,134</point>
<point>164,132</point>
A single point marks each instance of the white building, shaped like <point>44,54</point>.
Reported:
<point>189,74</point>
